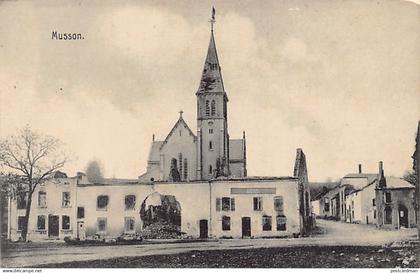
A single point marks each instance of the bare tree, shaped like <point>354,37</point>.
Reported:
<point>34,158</point>
<point>94,171</point>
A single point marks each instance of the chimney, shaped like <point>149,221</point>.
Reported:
<point>360,168</point>
<point>153,137</point>
<point>381,176</point>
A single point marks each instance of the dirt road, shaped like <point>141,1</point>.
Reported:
<point>334,233</point>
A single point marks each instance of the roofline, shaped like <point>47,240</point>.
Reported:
<point>398,188</point>
<point>217,180</point>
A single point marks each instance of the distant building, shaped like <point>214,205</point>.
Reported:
<point>333,204</point>
<point>368,198</point>
<point>394,198</point>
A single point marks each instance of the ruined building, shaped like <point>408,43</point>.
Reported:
<point>196,183</point>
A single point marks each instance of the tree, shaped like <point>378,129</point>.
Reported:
<point>410,177</point>
<point>94,171</point>
<point>32,158</point>
<point>416,169</point>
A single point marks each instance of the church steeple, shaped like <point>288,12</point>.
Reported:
<point>212,127</point>
<point>211,79</point>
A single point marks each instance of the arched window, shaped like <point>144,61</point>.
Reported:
<point>207,108</point>
<point>185,168</point>
<point>180,163</point>
<point>213,108</point>
<point>210,169</point>
<point>211,145</point>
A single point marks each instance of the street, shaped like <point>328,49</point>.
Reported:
<point>332,234</point>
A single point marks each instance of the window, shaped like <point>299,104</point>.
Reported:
<point>388,215</point>
<point>210,145</point>
<point>266,223</point>
<point>21,201</point>
<point>373,202</point>
<point>225,204</point>
<point>278,205</point>
<point>228,204</point>
<point>66,199</point>
<point>213,108</point>
<point>180,163</point>
<point>130,202</point>
<point>65,222</point>
<point>258,203</point>
<point>101,224</point>
<point>42,199</point>
<point>210,131</point>
<point>102,202</point>
<point>225,223</point>
<point>80,212</point>
<point>281,222</point>
<point>374,214</point>
<point>388,198</point>
<point>41,222</point>
<point>129,224</point>
<point>207,108</point>
<point>210,169</point>
<point>218,204</point>
<point>21,222</point>
<point>185,168</point>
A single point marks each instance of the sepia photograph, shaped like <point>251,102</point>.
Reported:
<point>210,134</point>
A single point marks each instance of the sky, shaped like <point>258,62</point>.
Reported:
<point>339,79</point>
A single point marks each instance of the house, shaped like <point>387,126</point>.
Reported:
<point>224,207</point>
<point>370,198</point>
<point>333,204</point>
<point>395,199</point>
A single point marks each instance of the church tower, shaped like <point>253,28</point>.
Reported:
<point>212,126</point>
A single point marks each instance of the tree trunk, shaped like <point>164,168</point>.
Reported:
<point>27,213</point>
<point>417,173</point>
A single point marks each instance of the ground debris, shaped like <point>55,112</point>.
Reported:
<point>286,257</point>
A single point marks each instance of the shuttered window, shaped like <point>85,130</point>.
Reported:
<point>218,203</point>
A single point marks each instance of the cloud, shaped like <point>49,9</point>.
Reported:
<point>294,50</point>
<point>342,91</point>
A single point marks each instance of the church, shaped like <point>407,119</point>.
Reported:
<point>210,153</point>
<point>196,182</point>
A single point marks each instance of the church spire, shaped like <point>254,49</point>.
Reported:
<point>211,79</point>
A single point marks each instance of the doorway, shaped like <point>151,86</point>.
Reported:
<point>204,233</point>
<point>246,227</point>
<point>81,231</point>
<point>53,225</point>
<point>403,216</point>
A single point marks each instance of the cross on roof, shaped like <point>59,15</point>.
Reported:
<point>212,20</point>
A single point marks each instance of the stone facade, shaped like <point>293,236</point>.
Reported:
<point>252,213</point>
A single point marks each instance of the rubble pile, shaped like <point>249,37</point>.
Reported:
<point>161,230</point>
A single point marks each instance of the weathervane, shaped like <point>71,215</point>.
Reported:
<point>212,20</point>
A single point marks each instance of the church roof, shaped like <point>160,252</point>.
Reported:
<point>180,121</point>
<point>154,154</point>
<point>211,79</point>
<point>236,149</point>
